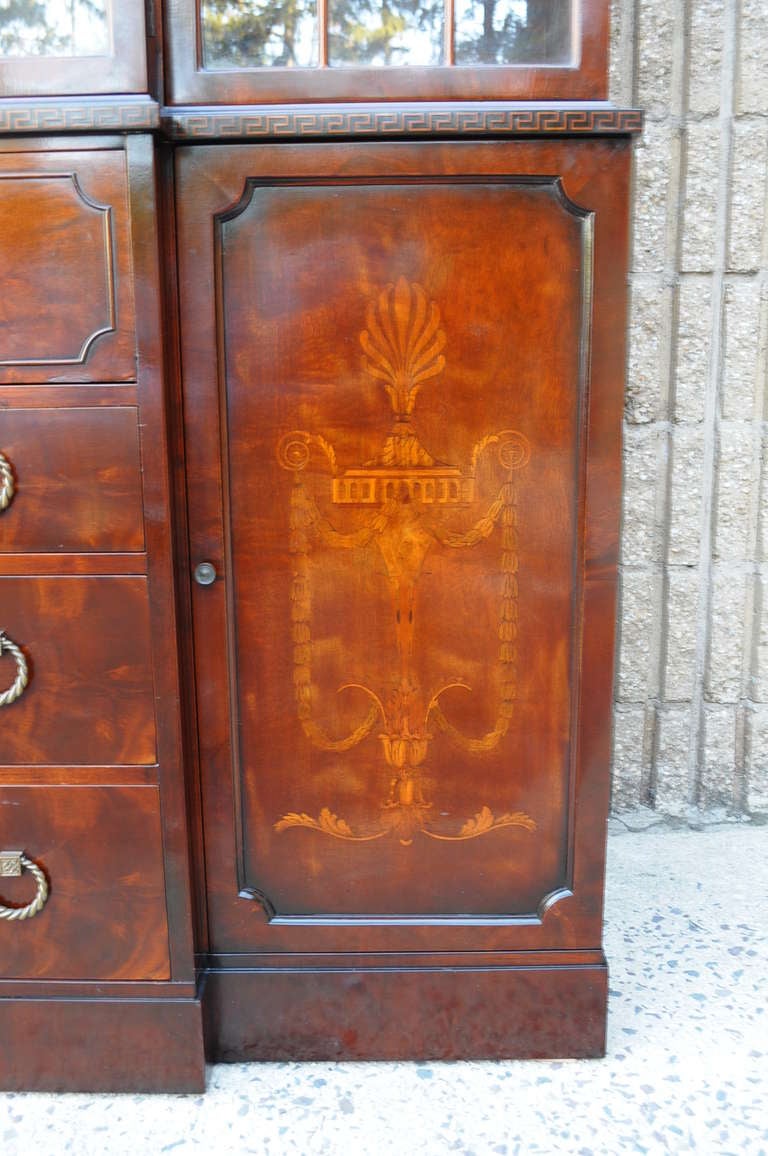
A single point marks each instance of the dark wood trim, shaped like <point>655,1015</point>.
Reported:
<point>303,122</point>
<point>379,961</point>
<point>93,989</point>
<point>406,1013</point>
<point>37,565</point>
<point>52,775</point>
<point>101,1045</point>
<point>141,160</point>
<point>81,395</point>
<point>182,567</point>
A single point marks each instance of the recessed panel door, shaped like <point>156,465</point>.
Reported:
<point>387,364</point>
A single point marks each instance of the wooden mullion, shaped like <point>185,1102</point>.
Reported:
<point>449,31</point>
<point>322,33</point>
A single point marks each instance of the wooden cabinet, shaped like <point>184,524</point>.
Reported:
<point>310,422</point>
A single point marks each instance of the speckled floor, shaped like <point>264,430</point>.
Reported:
<point>687,1064</point>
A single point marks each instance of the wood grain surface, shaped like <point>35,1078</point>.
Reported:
<point>101,850</point>
<point>77,476</point>
<point>90,697</point>
<point>68,307</point>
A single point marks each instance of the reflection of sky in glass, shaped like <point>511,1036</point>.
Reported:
<point>506,32</point>
<point>67,28</point>
<point>418,42</point>
<point>252,34</point>
<point>470,15</point>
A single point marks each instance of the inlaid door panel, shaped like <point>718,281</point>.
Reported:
<point>67,311</point>
<point>391,476</point>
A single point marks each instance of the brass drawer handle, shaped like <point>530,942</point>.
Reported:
<point>7,487</point>
<point>17,688</point>
<point>12,863</point>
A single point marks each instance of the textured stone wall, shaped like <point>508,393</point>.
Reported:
<point>691,715</point>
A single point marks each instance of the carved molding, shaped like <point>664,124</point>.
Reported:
<point>77,356</point>
<point>407,120</point>
<point>93,115</point>
<point>259,122</point>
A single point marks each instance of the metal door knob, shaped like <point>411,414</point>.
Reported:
<point>205,573</point>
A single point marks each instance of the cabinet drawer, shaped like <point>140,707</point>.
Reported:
<point>67,311</point>
<point>76,478</point>
<point>90,696</point>
<point>101,851</point>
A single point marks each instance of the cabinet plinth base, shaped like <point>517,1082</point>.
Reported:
<point>401,1014</point>
<point>100,1045</point>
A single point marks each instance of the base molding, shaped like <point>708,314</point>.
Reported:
<point>546,1012</point>
<point>101,1045</point>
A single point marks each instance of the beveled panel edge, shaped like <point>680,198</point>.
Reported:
<point>536,916</point>
<point>445,119</point>
<point>91,114</point>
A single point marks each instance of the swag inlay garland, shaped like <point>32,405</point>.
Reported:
<point>411,490</point>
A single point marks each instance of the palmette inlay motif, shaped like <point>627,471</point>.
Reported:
<point>407,490</point>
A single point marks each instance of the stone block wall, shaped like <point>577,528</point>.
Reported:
<point>691,702</point>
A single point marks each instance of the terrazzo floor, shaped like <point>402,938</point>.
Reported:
<point>686,1070</point>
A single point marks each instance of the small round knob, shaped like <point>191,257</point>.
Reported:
<point>205,573</point>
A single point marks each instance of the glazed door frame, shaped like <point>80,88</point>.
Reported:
<point>121,69</point>
<point>593,177</point>
<point>190,83</point>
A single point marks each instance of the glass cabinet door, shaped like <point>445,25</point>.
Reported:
<point>68,47</point>
<point>251,51</point>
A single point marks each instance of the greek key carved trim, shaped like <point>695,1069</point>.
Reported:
<point>275,123</point>
<point>94,115</point>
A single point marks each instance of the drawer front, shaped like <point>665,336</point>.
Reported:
<point>90,696</point>
<point>101,851</point>
<point>67,310</point>
<point>76,477</point>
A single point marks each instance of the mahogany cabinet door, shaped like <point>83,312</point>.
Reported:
<point>402,368</point>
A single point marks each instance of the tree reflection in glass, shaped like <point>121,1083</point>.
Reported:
<point>259,33</point>
<point>53,28</point>
<point>382,32</point>
<point>513,31</point>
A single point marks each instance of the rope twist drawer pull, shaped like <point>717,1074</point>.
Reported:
<point>12,863</point>
<point>7,487</point>
<point>19,684</point>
